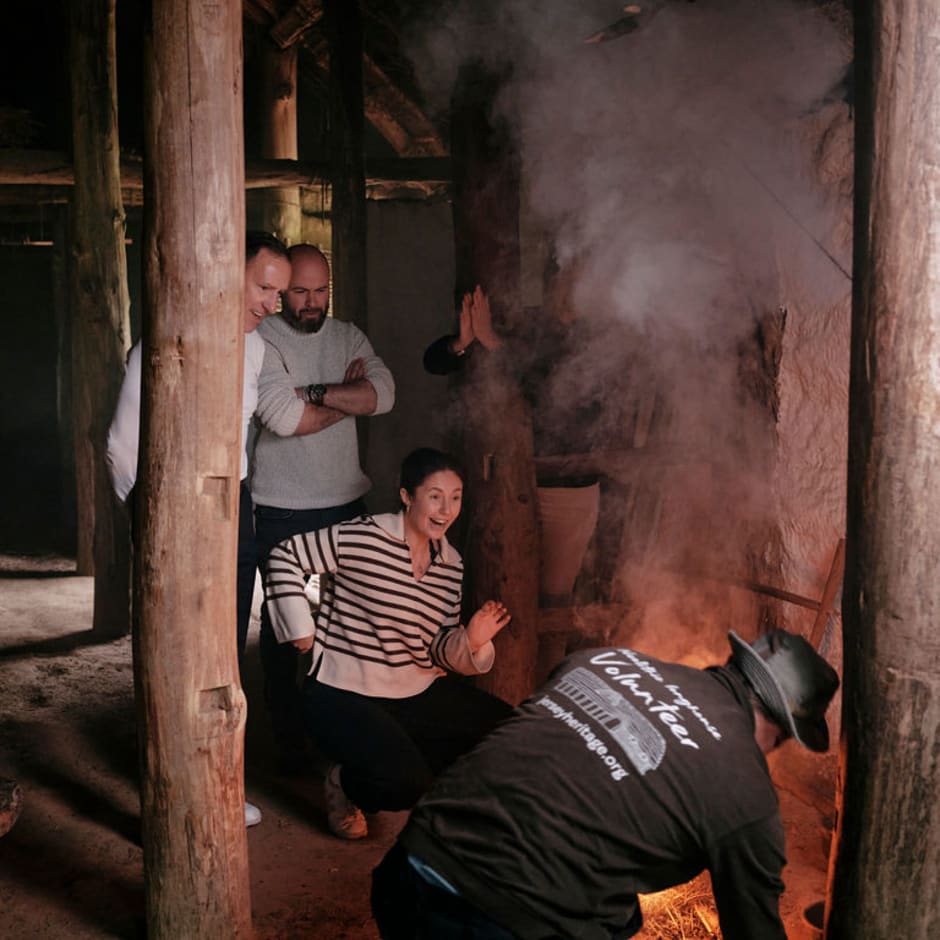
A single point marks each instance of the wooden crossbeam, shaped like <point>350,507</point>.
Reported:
<point>393,113</point>
<point>827,604</point>
<point>296,21</point>
<point>51,168</point>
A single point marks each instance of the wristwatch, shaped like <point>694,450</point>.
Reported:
<point>314,394</point>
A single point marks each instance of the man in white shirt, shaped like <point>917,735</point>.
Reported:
<point>267,271</point>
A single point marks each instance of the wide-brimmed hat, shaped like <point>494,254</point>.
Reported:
<point>793,681</point>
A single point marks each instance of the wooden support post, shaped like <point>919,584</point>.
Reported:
<point>502,552</point>
<point>886,864</point>
<point>100,307</point>
<point>343,23</point>
<point>190,704</point>
<point>282,214</point>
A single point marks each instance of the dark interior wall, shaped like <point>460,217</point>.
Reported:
<point>134,272</point>
<point>36,468</point>
<point>34,74</point>
<point>30,459</point>
<point>411,286</point>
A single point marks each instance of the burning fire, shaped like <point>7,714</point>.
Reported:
<point>686,912</point>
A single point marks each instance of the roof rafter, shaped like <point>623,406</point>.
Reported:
<point>390,110</point>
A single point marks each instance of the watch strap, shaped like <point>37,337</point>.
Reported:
<point>314,394</point>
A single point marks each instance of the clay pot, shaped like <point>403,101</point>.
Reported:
<point>568,515</point>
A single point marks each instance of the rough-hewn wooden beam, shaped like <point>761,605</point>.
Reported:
<point>37,168</point>
<point>50,168</point>
<point>347,169</point>
<point>391,112</point>
<point>296,21</point>
<point>261,12</point>
<point>263,173</point>
<point>25,203</point>
<point>99,307</point>
<point>502,528</point>
<point>394,115</point>
<point>281,215</point>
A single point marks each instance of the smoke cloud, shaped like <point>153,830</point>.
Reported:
<point>671,166</point>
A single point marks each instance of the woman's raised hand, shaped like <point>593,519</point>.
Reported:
<point>482,320</point>
<point>465,338</point>
<point>486,623</point>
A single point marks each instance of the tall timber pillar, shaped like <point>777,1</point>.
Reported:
<point>190,704</point>
<point>886,861</point>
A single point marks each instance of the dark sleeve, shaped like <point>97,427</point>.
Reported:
<point>438,358</point>
<point>746,871</point>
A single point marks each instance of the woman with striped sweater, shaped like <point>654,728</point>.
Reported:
<point>381,701</point>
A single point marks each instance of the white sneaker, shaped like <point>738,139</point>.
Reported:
<point>252,815</point>
<point>344,818</point>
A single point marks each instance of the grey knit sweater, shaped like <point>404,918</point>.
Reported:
<point>313,471</point>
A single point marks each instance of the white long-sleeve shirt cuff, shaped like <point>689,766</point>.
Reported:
<point>291,618</point>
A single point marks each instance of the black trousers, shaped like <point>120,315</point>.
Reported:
<point>406,907</point>
<point>245,575</point>
<point>391,749</point>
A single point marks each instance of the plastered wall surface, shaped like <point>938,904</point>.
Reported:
<point>813,383</point>
<point>411,285</point>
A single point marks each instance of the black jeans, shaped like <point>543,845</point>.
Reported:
<point>245,575</point>
<point>391,749</point>
<point>279,661</point>
<point>406,907</point>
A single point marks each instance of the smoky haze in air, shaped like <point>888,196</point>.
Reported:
<point>672,169</point>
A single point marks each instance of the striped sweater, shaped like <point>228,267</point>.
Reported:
<point>379,631</point>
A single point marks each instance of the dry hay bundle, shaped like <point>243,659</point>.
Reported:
<point>683,913</point>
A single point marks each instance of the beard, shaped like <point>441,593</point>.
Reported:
<point>307,319</point>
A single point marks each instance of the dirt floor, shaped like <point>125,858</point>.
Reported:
<point>71,866</point>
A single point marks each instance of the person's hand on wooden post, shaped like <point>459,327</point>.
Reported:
<point>482,320</point>
<point>464,339</point>
<point>486,623</point>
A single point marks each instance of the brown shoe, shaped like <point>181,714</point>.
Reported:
<point>344,818</point>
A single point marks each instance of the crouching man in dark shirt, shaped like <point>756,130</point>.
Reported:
<point>623,775</point>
